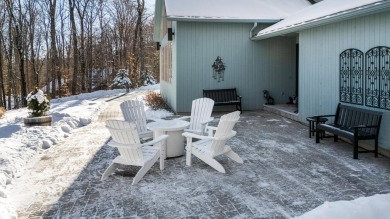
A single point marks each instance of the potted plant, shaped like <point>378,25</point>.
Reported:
<point>38,105</point>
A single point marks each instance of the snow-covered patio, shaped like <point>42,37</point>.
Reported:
<point>284,174</point>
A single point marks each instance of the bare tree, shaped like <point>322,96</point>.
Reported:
<point>19,28</point>
<point>75,49</point>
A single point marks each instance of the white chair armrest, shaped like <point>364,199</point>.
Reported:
<point>113,143</point>
<point>154,141</point>
<point>192,135</point>
<point>211,128</point>
<point>207,121</point>
<point>184,117</point>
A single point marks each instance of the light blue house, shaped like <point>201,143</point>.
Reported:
<point>333,36</point>
<point>192,34</point>
<point>306,53</point>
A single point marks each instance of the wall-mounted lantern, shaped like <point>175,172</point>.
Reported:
<point>170,34</point>
<point>218,69</point>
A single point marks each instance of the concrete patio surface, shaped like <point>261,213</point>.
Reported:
<point>284,174</point>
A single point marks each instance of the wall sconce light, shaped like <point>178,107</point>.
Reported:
<point>158,45</point>
<point>170,34</point>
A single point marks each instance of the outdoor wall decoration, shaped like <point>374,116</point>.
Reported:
<point>351,76</point>
<point>218,69</point>
<point>378,77</point>
<point>370,83</point>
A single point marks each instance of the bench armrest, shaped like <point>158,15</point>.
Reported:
<point>320,116</point>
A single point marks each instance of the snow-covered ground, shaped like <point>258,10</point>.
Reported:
<point>19,145</point>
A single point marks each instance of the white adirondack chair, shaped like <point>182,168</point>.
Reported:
<point>209,147</point>
<point>133,111</point>
<point>132,152</point>
<point>200,115</point>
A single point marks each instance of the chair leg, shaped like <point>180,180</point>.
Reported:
<point>141,173</point>
<point>376,147</point>
<point>355,149</point>
<point>189,152</point>
<point>163,153</point>
<point>234,156</point>
<point>109,171</point>
<point>317,136</point>
<point>214,164</point>
<point>335,138</point>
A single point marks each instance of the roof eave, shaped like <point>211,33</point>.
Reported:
<point>230,20</point>
<point>325,21</point>
<point>158,7</point>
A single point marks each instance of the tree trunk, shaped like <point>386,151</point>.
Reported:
<point>75,50</point>
<point>2,91</point>
<point>53,49</point>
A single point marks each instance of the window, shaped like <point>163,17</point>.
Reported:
<point>166,62</point>
<point>351,76</point>
<point>378,77</point>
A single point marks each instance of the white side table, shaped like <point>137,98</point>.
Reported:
<point>174,129</point>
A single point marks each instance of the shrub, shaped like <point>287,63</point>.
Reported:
<point>122,79</point>
<point>156,101</point>
<point>37,103</point>
<point>2,111</point>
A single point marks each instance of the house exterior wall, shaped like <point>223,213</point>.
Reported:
<point>168,89</point>
<point>319,63</point>
<point>251,66</point>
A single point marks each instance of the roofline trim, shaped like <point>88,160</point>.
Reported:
<point>231,20</point>
<point>340,16</point>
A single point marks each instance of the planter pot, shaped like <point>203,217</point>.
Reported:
<point>38,121</point>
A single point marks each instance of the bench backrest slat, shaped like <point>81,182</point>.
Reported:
<point>221,95</point>
<point>348,116</point>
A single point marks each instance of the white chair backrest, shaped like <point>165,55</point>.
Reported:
<point>224,131</point>
<point>133,111</point>
<point>126,133</point>
<point>201,110</point>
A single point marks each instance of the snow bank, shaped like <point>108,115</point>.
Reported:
<point>19,144</point>
<point>365,207</point>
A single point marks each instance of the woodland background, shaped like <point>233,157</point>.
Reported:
<point>67,47</point>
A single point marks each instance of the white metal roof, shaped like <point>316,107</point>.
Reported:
<point>318,13</point>
<point>249,10</point>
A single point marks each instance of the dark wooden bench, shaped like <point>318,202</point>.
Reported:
<point>224,97</point>
<point>354,124</point>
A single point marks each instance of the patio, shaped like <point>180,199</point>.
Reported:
<point>284,175</point>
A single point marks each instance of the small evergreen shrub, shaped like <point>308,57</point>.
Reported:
<point>148,79</point>
<point>156,101</point>
<point>122,79</point>
<point>37,103</point>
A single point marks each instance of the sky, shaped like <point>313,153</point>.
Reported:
<point>18,145</point>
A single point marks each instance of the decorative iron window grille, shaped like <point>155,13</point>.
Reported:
<point>351,76</point>
<point>378,77</point>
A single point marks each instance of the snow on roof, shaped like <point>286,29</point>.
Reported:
<point>321,11</point>
<point>250,10</point>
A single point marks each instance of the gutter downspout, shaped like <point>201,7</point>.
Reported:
<point>251,31</point>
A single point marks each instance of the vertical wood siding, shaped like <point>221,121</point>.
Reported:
<point>319,63</point>
<point>251,66</point>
